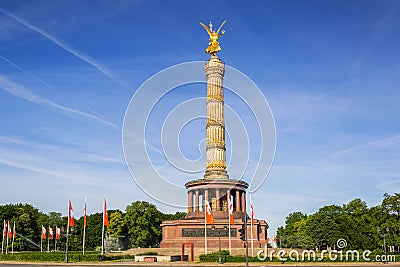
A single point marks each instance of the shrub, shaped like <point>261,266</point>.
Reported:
<point>226,257</point>
<point>148,253</point>
<point>60,257</point>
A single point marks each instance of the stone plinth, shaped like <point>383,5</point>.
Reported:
<point>191,229</point>
<point>176,232</point>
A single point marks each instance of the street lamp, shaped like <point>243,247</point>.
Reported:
<point>219,231</point>
<point>66,244</point>
<point>384,235</point>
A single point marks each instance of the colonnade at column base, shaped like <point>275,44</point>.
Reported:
<point>216,191</point>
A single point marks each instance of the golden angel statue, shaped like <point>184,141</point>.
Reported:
<point>213,45</point>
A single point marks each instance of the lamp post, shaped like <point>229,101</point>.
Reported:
<point>244,220</point>
<point>66,244</point>
<point>384,235</point>
<point>219,231</point>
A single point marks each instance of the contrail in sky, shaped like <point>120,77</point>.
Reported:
<point>20,91</point>
<point>47,85</point>
<point>29,74</point>
<point>67,48</point>
<point>388,141</point>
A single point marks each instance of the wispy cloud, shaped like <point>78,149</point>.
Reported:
<point>46,84</point>
<point>21,92</point>
<point>29,74</point>
<point>10,140</point>
<point>104,70</point>
<point>378,32</point>
<point>43,164</point>
<point>343,86</point>
<point>377,143</point>
<point>71,163</point>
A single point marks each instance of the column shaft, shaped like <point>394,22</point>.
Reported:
<point>215,128</point>
<point>237,200</point>
<point>197,201</point>
<point>218,200</point>
<point>190,201</point>
<point>243,201</point>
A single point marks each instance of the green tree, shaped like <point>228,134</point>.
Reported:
<point>303,239</point>
<point>93,230</point>
<point>143,221</point>
<point>353,221</point>
<point>175,216</point>
<point>323,226</point>
<point>140,227</point>
<point>390,217</point>
<point>116,227</point>
<point>391,204</point>
<point>287,235</point>
<point>55,218</point>
<point>26,218</point>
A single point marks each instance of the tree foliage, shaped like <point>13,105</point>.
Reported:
<point>143,221</point>
<point>354,222</point>
<point>139,226</point>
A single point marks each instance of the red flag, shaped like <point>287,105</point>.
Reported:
<point>105,214</point>
<point>209,216</point>
<point>71,221</point>
<point>14,232</point>
<point>84,214</point>
<point>275,238</point>
<point>9,230</point>
<point>230,205</point>
<point>43,232</point>
<point>4,228</point>
<point>252,213</point>
<point>51,233</point>
<point>58,233</point>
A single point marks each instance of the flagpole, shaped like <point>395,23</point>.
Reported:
<point>41,240</point>
<point>252,241</point>
<point>48,241</point>
<point>84,237</point>
<point>102,234</point>
<point>7,237</point>
<point>55,241</point>
<point>12,244</point>
<point>2,242</point>
<point>84,229</point>
<point>205,228</point>
<point>66,244</point>
<point>251,227</point>
<point>229,219</point>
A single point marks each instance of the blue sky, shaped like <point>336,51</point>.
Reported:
<point>330,71</point>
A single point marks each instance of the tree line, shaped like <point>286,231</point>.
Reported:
<point>137,226</point>
<point>359,225</point>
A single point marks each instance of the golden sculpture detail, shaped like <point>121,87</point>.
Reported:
<point>213,45</point>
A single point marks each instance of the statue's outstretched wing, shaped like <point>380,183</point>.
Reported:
<point>220,27</point>
<point>205,27</point>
